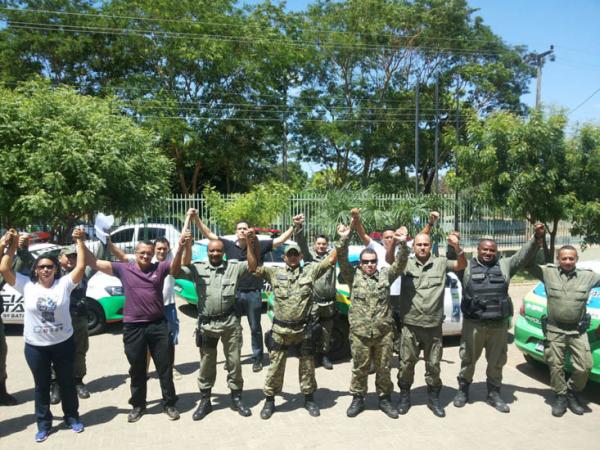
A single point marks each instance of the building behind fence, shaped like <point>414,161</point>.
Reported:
<point>474,220</point>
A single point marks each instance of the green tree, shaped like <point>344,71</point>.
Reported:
<point>64,156</point>
<point>530,166</point>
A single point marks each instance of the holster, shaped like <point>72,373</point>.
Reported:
<point>544,323</point>
<point>204,341</point>
<point>312,339</point>
<point>584,323</point>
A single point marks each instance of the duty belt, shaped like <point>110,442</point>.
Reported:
<point>323,300</point>
<point>289,323</point>
<point>207,318</point>
<point>564,325</point>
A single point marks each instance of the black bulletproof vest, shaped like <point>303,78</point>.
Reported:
<point>486,293</point>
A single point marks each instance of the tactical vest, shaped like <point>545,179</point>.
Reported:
<point>486,294</point>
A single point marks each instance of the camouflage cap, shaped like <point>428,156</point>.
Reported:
<point>290,247</point>
<point>69,250</point>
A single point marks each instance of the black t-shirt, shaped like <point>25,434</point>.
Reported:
<point>232,251</point>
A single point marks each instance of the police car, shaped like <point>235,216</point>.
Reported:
<point>529,337</point>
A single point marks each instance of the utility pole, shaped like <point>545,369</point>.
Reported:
<point>456,206</point>
<point>437,134</point>
<point>538,60</point>
<point>417,138</point>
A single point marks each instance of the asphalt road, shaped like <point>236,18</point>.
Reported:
<point>529,425</point>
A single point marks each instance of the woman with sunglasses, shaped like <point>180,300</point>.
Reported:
<point>47,330</point>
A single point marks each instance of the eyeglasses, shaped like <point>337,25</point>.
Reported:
<point>45,266</point>
<point>368,261</point>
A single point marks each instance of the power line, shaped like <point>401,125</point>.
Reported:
<point>583,102</point>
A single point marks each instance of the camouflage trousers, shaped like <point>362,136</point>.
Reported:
<point>82,345</point>
<point>324,313</point>
<point>413,339</point>
<point>278,358</point>
<point>380,349</point>
<point>477,335</point>
<point>558,344</point>
<point>3,352</point>
<point>231,337</point>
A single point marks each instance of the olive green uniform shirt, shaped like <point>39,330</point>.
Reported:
<point>324,287</point>
<point>292,289</point>
<point>215,288</point>
<point>566,292</point>
<point>422,293</point>
<point>370,313</point>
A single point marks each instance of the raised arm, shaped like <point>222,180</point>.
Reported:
<point>526,254</point>
<point>461,260</point>
<point>300,238</point>
<point>253,252</point>
<point>98,264</point>
<point>195,218</point>
<point>341,248</point>
<point>184,242</point>
<point>280,240</point>
<point>79,269</point>
<point>117,252</point>
<point>357,225</point>
<point>10,239</point>
<point>434,216</point>
<point>399,263</point>
<point>24,258</point>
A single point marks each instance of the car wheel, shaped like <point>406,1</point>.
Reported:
<point>96,317</point>
<point>340,339</point>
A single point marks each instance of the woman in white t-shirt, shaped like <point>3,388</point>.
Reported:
<point>47,330</point>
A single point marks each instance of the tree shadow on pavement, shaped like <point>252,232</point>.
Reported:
<point>15,424</point>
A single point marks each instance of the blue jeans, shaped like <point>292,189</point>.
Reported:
<point>249,303</point>
<point>39,359</point>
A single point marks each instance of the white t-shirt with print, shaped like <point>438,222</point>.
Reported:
<point>47,319</point>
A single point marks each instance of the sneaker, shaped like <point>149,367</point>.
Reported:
<point>171,412</point>
<point>176,374</point>
<point>135,414</point>
<point>74,424</point>
<point>257,366</point>
<point>41,436</point>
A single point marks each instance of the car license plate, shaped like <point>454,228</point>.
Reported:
<point>540,346</point>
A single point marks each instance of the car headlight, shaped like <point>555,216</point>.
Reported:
<point>177,288</point>
<point>114,290</point>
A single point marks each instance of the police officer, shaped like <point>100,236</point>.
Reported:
<point>22,264</point>
<point>487,310</point>
<point>371,321</point>
<point>292,288</point>
<point>422,314</point>
<point>567,292</point>
<point>324,290</point>
<point>216,282</point>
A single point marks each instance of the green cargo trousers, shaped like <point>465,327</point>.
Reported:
<point>578,345</point>
<point>477,335</point>
<point>278,357</point>
<point>231,337</point>
<point>324,313</point>
<point>381,348</point>
<point>413,339</point>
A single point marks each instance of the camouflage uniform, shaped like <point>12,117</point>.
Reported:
<point>323,295</point>
<point>215,288</point>
<point>567,294</point>
<point>422,313</point>
<point>371,321</point>
<point>292,289</point>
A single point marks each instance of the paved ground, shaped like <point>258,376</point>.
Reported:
<point>529,425</point>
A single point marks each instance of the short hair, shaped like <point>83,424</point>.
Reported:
<point>162,240</point>
<point>566,247</point>
<point>388,228</point>
<point>482,240</point>
<point>242,221</point>
<point>367,251</point>
<point>150,243</point>
<point>210,241</point>
<point>322,236</point>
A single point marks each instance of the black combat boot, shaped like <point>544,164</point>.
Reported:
<point>494,399</point>
<point>573,403</point>
<point>404,403</point>
<point>433,402</point>
<point>560,405</point>
<point>82,390</point>
<point>311,406</point>
<point>386,406</point>
<point>326,362</point>
<point>356,407</point>
<point>462,396</point>
<point>5,398</point>
<point>238,405</point>
<point>54,393</point>
<point>205,406</point>
<point>268,408</point>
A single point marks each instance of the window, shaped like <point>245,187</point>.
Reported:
<point>125,235</point>
<point>150,233</point>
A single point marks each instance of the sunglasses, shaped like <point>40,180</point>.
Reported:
<point>45,266</point>
<point>368,261</point>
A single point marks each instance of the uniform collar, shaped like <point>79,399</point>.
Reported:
<point>571,274</point>
<point>220,266</point>
<point>426,263</point>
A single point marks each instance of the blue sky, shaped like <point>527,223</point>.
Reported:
<point>572,26</point>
